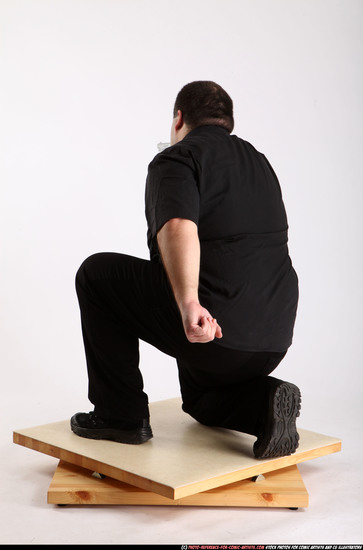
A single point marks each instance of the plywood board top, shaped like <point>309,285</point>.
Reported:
<point>182,459</point>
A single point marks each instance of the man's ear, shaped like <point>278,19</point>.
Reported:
<point>179,121</point>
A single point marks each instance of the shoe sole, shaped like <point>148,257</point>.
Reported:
<point>281,437</point>
<point>141,436</point>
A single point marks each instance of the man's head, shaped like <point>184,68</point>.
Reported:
<point>198,104</point>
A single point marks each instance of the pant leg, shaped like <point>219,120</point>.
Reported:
<point>230,389</point>
<point>122,299</point>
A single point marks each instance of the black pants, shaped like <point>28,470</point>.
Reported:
<point>124,299</point>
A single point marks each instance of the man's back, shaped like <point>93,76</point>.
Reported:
<point>239,192</point>
<point>230,191</point>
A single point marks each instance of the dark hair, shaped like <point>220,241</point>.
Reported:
<point>204,102</point>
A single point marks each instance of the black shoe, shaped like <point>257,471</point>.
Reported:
<point>92,426</point>
<point>279,436</point>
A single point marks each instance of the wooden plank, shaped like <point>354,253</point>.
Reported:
<point>182,459</point>
<point>72,484</point>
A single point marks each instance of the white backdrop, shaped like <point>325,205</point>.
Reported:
<point>87,89</point>
<point>87,93</point>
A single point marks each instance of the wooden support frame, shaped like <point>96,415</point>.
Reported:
<point>73,485</point>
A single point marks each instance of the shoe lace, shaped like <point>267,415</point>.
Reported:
<point>93,417</point>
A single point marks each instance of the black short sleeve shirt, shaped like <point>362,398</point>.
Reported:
<point>230,191</point>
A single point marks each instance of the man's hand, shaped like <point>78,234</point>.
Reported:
<point>199,326</point>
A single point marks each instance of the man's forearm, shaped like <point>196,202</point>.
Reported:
<point>179,247</point>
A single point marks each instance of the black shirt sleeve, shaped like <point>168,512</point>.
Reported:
<point>171,189</point>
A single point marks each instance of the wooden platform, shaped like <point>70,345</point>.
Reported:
<point>75,485</point>
<point>183,458</point>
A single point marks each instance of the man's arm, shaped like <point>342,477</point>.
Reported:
<point>179,247</point>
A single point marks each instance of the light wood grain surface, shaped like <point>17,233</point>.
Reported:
<point>72,484</point>
<point>182,459</point>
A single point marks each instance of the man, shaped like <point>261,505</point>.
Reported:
<point>217,234</point>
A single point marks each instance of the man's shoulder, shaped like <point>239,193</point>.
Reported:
<point>202,144</point>
<point>180,152</point>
